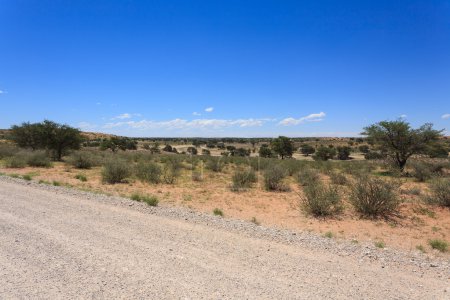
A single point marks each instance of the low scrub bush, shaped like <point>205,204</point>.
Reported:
<point>218,212</point>
<point>148,172</point>
<point>214,164</point>
<point>373,197</point>
<point>17,161</point>
<point>243,179</point>
<point>83,160</point>
<point>440,192</point>
<point>81,177</point>
<point>150,200</point>
<point>338,178</point>
<point>197,176</point>
<point>274,179</point>
<point>170,173</point>
<point>439,245</point>
<point>307,175</point>
<point>421,171</point>
<point>115,171</point>
<point>319,200</point>
<point>7,150</point>
<point>39,159</point>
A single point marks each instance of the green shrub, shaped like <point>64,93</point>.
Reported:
<point>81,177</point>
<point>170,173</point>
<point>291,166</point>
<point>343,153</point>
<point>39,159</point>
<point>440,192</point>
<point>374,155</point>
<point>27,177</point>
<point>7,150</point>
<point>421,171</point>
<point>274,177</point>
<point>218,212</point>
<point>338,178</point>
<point>380,244</point>
<point>373,197</point>
<point>214,164</point>
<point>56,183</point>
<point>115,171</point>
<point>17,161</point>
<point>439,245</point>
<point>243,179</point>
<point>319,200</point>
<point>306,176</point>
<point>83,160</point>
<point>148,172</point>
<point>150,200</point>
<point>324,153</point>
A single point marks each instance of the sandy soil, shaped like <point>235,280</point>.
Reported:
<point>415,226</point>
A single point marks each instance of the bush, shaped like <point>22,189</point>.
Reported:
<point>440,192</point>
<point>319,200</point>
<point>218,212</point>
<point>81,177</point>
<point>150,200</point>
<point>7,150</point>
<point>324,153</point>
<point>39,159</point>
<point>115,171</point>
<point>421,171</point>
<point>214,164</point>
<point>307,175</point>
<point>374,155</point>
<point>17,161</point>
<point>338,178</point>
<point>373,197</point>
<point>273,179</point>
<point>82,160</point>
<point>243,179</point>
<point>343,153</point>
<point>197,176</point>
<point>170,173</point>
<point>439,245</point>
<point>148,172</point>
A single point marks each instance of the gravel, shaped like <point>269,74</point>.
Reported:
<point>57,242</point>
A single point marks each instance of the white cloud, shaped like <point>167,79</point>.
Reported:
<point>403,116</point>
<point>209,109</point>
<point>445,116</point>
<point>2,92</point>
<point>187,124</point>
<point>125,116</point>
<point>196,113</point>
<point>309,118</point>
<point>86,126</point>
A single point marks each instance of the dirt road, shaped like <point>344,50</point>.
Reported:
<point>58,245</point>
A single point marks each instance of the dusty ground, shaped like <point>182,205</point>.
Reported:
<point>416,225</point>
<point>57,244</point>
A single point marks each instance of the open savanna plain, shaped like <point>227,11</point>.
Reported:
<point>238,188</point>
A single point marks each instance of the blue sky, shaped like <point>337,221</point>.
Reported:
<point>225,68</point>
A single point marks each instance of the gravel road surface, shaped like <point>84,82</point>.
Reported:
<point>59,243</point>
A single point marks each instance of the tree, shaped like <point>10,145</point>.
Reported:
<point>283,146</point>
<point>118,143</point>
<point>167,148</point>
<point>400,141</point>
<point>264,151</point>
<point>48,135</point>
<point>192,150</point>
<point>307,149</point>
<point>27,135</point>
<point>343,152</point>
<point>364,149</point>
<point>324,153</point>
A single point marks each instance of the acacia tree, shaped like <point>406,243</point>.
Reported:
<point>400,141</point>
<point>283,146</point>
<point>307,149</point>
<point>47,135</point>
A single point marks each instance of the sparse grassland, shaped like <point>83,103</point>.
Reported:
<point>402,211</point>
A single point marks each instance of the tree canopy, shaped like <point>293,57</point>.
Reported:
<point>283,146</point>
<point>400,141</point>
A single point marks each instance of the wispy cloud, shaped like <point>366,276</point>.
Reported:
<point>86,126</point>
<point>445,116</point>
<point>187,124</point>
<point>209,109</point>
<point>403,116</point>
<point>309,118</point>
<point>2,92</point>
<point>196,113</point>
<point>125,116</point>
